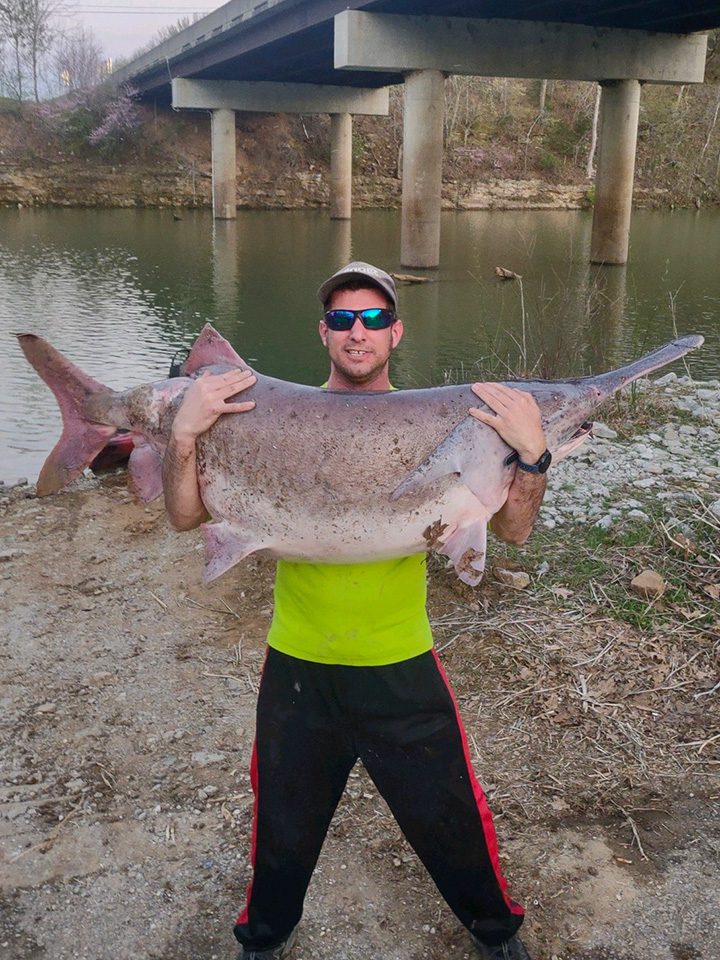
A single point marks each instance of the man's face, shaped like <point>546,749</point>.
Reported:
<point>360,357</point>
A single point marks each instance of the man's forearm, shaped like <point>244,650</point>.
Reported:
<point>515,520</point>
<point>184,507</point>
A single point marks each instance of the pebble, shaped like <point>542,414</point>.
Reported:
<point>10,555</point>
<point>604,432</point>
<point>648,584</point>
<point>513,578</point>
<point>203,758</point>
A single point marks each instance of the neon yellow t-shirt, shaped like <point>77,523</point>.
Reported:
<point>355,614</point>
<point>358,614</point>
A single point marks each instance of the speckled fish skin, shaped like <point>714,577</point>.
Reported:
<point>342,477</point>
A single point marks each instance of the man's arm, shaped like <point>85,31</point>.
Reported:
<point>204,401</point>
<point>517,419</point>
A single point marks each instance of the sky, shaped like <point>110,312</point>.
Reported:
<point>121,26</point>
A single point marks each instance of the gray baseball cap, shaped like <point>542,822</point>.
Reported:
<point>357,270</point>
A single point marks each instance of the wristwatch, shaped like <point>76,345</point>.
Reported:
<point>540,466</point>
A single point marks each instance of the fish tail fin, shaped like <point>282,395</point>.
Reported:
<point>82,438</point>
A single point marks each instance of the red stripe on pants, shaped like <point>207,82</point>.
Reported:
<point>481,801</point>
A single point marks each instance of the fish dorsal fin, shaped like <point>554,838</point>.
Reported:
<point>209,348</point>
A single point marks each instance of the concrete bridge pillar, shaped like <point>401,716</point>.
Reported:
<point>223,164</point>
<point>619,110</point>
<point>340,166</point>
<point>422,168</point>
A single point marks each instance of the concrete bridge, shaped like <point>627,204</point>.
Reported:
<point>339,57</point>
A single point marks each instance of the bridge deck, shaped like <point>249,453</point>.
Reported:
<point>292,40</point>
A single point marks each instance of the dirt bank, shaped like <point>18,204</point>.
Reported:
<point>127,712</point>
<point>282,163</point>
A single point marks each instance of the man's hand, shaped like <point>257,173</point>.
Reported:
<point>205,401</point>
<point>516,418</point>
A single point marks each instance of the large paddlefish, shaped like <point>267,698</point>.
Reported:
<point>320,475</point>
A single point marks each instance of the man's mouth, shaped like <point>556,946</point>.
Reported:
<point>357,353</point>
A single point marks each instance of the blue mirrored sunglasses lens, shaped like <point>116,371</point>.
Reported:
<point>341,319</point>
<point>374,318</point>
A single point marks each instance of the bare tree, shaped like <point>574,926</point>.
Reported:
<point>543,96</point>
<point>590,166</point>
<point>38,34</point>
<point>13,23</point>
<point>78,59</point>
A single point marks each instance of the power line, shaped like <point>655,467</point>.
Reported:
<point>122,8</point>
<point>132,10</point>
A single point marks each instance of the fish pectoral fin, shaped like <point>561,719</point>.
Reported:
<point>466,547</point>
<point>225,546</point>
<point>452,459</point>
<point>145,468</point>
<point>441,463</point>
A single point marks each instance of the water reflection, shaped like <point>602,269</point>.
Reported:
<point>226,268</point>
<point>120,291</point>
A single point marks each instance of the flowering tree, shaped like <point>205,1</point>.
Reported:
<point>119,121</point>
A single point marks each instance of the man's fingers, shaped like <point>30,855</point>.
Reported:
<point>482,415</point>
<point>238,407</point>
<point>492,398</point>
<point>232,388</point>
<point>500,391</point>
<point>221,391</point>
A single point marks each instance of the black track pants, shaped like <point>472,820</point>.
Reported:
<point>313,722</point>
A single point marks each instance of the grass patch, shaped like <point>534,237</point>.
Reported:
<point>631,412</point>
<point>9,105</point>
<point>595,567</point>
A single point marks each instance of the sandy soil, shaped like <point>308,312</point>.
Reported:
<point>127,703</point>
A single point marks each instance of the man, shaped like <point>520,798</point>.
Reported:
<point>350,671</point>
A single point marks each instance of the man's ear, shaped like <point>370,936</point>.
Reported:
<point>396,333</point>
<point>322,330</point>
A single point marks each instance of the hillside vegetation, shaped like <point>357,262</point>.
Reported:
<point>93,148</point>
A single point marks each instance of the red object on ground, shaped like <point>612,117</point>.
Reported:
<point>116,451</point>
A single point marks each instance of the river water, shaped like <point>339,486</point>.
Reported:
<point>119,292</point>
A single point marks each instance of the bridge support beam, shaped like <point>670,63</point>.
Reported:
<point>421,46</point>
<point>422,169</point>
<point>619,110</point>
<point>223,165</point>
<point>340,166</point>
<point>223,97</point>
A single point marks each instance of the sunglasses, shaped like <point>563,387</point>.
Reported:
<point>374,318</point>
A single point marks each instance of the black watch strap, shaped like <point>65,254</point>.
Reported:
<point>540,466</point>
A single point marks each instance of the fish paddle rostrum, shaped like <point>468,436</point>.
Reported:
<point>322,475</point>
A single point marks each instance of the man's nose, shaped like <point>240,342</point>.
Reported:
<point>357,331</point>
